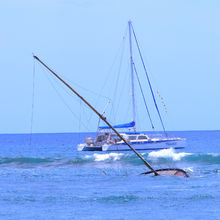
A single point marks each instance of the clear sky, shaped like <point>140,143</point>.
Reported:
<point>80,39</point>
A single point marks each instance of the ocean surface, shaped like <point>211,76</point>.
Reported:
<point>47,178</point>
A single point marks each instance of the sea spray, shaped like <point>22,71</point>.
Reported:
<point>107,156</point>
<point>167,153</point>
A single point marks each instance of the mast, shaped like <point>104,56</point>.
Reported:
<point>99,114</point>
<point>132,75</point>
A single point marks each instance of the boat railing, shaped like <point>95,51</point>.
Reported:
<point>155,135</point>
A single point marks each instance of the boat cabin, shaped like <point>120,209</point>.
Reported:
<point>111,138</point>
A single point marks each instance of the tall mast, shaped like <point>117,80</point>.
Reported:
<point>132,75</point>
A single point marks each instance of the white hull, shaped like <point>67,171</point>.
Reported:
<point>159,144</point>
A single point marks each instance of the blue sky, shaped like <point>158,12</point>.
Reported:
<point>80,40</point>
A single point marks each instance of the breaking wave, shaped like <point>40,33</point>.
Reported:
<point>171,155</point>
<point>156,157</point>
<point>103,157</point>
<point>167,153</point>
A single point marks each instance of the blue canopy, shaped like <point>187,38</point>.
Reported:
<point>126,125</point>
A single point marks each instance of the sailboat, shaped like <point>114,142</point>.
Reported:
<point>105,140</point>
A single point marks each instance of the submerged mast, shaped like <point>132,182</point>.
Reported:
<point>100,115</point>
<point>132,75</point>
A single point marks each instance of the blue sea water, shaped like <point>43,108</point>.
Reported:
<point>50,179</point>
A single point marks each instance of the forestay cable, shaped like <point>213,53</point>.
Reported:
<point>143,96</point>
<point>32,105</point>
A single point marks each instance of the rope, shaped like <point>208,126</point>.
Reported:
<point>62,99</point>
<point>155,103</point>
<point>79,133</point>
<point>87,90</point>
<point>32,105</point>
<point>123,87</point>
<point>143,97</point>
<point>118,75</point>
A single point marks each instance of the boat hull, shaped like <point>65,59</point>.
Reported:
<point>158,145</point>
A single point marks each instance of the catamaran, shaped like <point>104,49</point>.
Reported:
<point>105,140</point>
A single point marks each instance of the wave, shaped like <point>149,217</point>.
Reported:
<point>170,155</point>
<point>31,162</point>
<point>167,153</point>
<point>162,157</point>
<point>118,199</point>
<point>105,157</point>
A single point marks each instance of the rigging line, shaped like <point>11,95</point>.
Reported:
<point>155,103</point>
<point>119,71</point>
<point>114,61</point>
<point>79,134</point>
<point>62,99</point>
<point>61,86</point>
<point>64,89</point>
<point>70,94</point>
<point>145,103</point>
<point>132,74</point>
<point>88,90</point>
<point>122,91</point>
<point>121,48</point>
<point>65,103</point>
<point>103,113</point>
<point>108,75</point>
<point>112,122</point>
<point>32,105</point>
<point>115,58</point>
<point>126,116</point>
<point>85,89</point>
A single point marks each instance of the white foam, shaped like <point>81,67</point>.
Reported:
<point>190,169</point>
<point>167,153</point>
<point>102,157</point>
<point>213,154</point>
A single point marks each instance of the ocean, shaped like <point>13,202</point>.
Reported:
<point>43,176</point>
